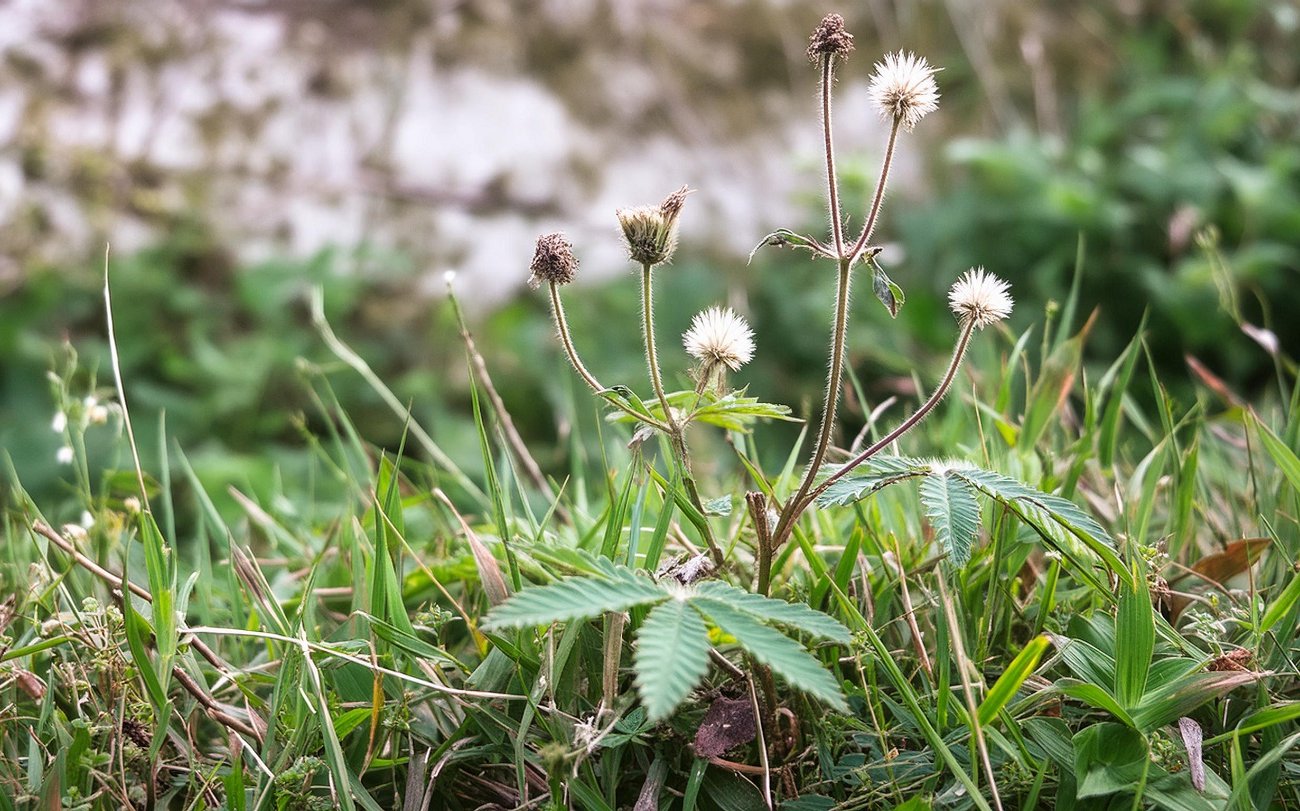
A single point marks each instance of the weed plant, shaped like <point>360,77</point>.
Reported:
<point>1083,602</point>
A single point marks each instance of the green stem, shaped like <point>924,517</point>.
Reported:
<point>651,357</point>
<point>676,431</point>
<point>562,326</point>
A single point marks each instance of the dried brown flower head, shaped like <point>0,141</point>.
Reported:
<point>830,39</point>
<point>553,261</point>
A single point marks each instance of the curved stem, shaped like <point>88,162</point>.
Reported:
<point>962,343</point>
<point>562,326</point>
<point>651,357</point>
<point>832,185</point>
<point>876,199</point>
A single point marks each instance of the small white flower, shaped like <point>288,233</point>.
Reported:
<point>97,415</point>
<point>980,298</point>
<point>718,335</point>
<point>904,89</point>
<point>87,520</point>
<point>90,402</point>
<point>60,423</point>
<point>64,455</point>
<point>132,504</point>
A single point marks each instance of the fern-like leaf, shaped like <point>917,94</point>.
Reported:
<point>672,655</point>
<point>786,657</point>
<point>870,477</point>
<point>575,598</point>
<point>1058,521</point>
<point>951,507</point>
<point>798,616</point>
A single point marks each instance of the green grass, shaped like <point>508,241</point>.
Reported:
<point>342,641</point>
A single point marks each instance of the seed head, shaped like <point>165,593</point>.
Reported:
<point>553,261</point>
<point>718,335</point>
<point>980,298</point>
<point>904,89</point>
<point>830,39</point>
<point>651,232</point>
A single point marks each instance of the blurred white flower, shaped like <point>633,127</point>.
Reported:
<point>97,415</point>
<point>64,455</point>
<point>60,423</point>
<point>904,89</point>
<point>87,520</point>
<point>719,335</point>
<point>980,298</point>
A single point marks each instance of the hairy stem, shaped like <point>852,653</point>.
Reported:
<point>676,431</point>
<point>958,353</point>
<point>562,326</point>
<point>830,403</point>
<point>876,199</point>
<point>651,357</point>
<point>832,185</point>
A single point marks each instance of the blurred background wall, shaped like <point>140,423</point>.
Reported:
<point>237,153</point>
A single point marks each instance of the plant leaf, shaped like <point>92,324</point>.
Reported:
<point>783,655</point>
<point>672,655</point>
<point>890,294</point>
<point>1055,519</point>
<point>1135,639</point>
<point>574,598</point>
<point>1011,679</point>
<point>869,477</point>
<point>784,237</point>
<point>951,507</point>
<point>799,616</point>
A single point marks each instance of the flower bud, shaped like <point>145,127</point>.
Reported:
<point>830,39</point>
<point>651,232</point>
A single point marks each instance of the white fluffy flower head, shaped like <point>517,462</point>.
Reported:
<point>980,298</point>
<point>903,87</point>
<point>719,335</point>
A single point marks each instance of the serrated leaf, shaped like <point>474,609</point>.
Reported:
<point>1057,520</point>
<point>783,655</point>
<point>869,478</point>
<point>799,616</point>
<point>889,294</point>
<point>574,598</point>
<point>951,507</point>
<point>672,655</point>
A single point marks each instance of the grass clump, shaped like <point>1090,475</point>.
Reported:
<point>1089,599</point>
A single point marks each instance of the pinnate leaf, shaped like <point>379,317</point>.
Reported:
<point>951,507</point>
<point>672,655</point>
<point>575,598</point>
<point>782,654</point>
<point>798,616</point>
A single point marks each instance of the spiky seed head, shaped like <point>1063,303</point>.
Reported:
<point>830,39</point>
<point>719,335</point>
<point>651,231</point>
<point>903,88</point>
<point>980,298</point>
<point>553,261</point>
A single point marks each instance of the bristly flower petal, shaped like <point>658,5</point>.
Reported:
<point>904,89</point>
<point>980,298</point>
<point>719,335</point>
